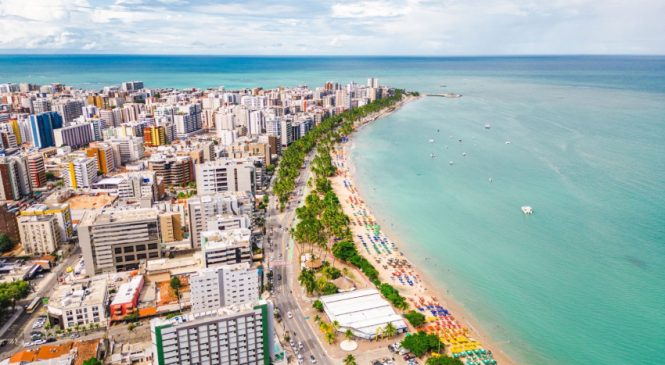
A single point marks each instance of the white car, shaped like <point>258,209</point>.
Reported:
<point>289,314</point>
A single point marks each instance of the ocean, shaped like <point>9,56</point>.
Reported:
<point>582,280</point>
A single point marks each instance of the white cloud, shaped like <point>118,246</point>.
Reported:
<point>368,9</point>
<point>416,27</point>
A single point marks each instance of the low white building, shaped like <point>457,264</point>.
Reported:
<point>364,312</point>
<point>80,304</point>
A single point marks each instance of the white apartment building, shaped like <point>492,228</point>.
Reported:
<point>217,287</point>
<point>79,304</point>
<point>207,207</point>
<point>40,234</point>
<point>225,175</point>
<point>241,335</point>
<point>130,149</point>
<point>74,136</point>
<point>226,247</point>
<point>81,173</point>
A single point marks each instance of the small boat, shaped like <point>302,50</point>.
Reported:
<point>460,140</point>
<point>463,153</point>
<point>507,142</point>
<point>451,163</point>
<point>490,179</point>
<point>432,155</point>
<point>431,141</point>
<point>487,126</point>
<point>527,209</point>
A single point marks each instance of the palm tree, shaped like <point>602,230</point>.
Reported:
<point>335,325</point>
<point>330,337</point>
<point>317,318</point>
<point>348,334</point>
<point>349,360</point>
<point>389,330</point>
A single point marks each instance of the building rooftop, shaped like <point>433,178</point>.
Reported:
<point>127,291</point>
<point>83,293</point>
<point>122,215</point>
<point>363,311</point>
<point>219,239</point>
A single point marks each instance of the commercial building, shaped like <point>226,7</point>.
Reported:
<point>42,126</point>
<point>79,304</point>
<point>225,175</point>
<point>74,136</point>
<point>39,234</point>
<point>242,336</point>
<point>207,207</point>
<point>134,185</point>
<point>81,173</point>
<point>217,287</point>
<point>117,240</point>
<point>126,299</point>
<point>364,312</point>
<point>226,247</point>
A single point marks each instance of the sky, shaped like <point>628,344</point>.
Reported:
<point>333,27</point>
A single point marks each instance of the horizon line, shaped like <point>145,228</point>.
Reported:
<point>342,55</point>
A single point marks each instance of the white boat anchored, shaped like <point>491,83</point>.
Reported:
<point>527,209</point>
<point>451,162</point>
<point>488,126</point>
<point>431,141</point>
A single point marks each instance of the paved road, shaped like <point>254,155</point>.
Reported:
<point>19,331</point>
<point>284,298</point>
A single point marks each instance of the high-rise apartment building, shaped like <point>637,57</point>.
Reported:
<point>226,247</point>
<point>14,180</point>
<point>74,136</point>
<point>103,153</point>
<point>204,208</point>
<point>225,175</point>
<point>9,224</point>
<point>39,234</point>
<point>242,335</point>
<point>36,170</point>
<point>69,109</point>
<point>130,149</point>
<point>81,173</point>
<point>42,126</point>
<point>175,170</point>
<point>154,136</point>
<point>170,227</point>
<point>61,213</point>
<point>222,286</point>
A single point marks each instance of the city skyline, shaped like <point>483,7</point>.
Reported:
<point>495,27</point>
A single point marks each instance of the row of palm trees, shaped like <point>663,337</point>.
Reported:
<point>294,156</point>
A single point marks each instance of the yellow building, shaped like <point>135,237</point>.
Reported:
<point>154,136</point>
<point>170,227</point>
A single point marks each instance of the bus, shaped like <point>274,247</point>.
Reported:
<point>32,307</point>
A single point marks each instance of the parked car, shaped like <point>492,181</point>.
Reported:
<point>312,359</point>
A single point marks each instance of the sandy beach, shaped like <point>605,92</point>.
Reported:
<point>462,335</point>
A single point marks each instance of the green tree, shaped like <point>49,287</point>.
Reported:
<point>175,284</point>
<point>348,360</point>
<point>318,305</point>
<point>389,330</point>
<point>443,360</point>
<point>307,279</point>
<point>415,318</point>
<point>348,334</point>
<point>5,243</point>
<point>92,361</point>
<point>422,343</point>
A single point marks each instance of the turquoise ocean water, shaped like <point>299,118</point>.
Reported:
<point>582,281</point>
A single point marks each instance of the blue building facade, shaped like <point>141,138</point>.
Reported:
<point>42,126</point>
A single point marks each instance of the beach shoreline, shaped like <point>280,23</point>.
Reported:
<point>420,283</point>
